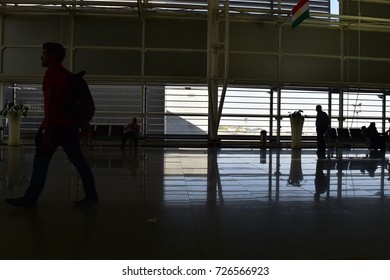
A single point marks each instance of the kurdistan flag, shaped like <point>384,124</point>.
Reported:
<point>300,12</point>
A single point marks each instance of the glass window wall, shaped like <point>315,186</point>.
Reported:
<point>183,110</point>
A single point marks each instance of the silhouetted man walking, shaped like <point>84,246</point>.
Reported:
<point>56,130</point>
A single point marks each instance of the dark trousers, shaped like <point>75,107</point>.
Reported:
<point>321,146</point>
<point>68,138</point>
<point>133,136</point>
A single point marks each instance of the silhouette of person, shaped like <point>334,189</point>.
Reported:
<point>322,126</point>
<point>363,130</point>
<point>56,130</point>
<point>387,134</point>
<point>376,140</point>
<point>131,131</point>
<point>377,158</point>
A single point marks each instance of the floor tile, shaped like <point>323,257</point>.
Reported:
<point>173,203</point>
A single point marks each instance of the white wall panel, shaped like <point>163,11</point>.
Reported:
<point>376,72</point>
<point>22,61</point>
<point>108,62</point>
<point>311,40</point>
<point>254,66</point>
<point>34,29</point>
<point>367,44</point>
<point>108,31</point>
<point>253,37</point>
<point>176,33</point>
<point>310,69</point>
<point>173,48</point>
<point>173,64</point>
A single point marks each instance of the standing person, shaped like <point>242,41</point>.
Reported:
<point>131,131</point>
<point>322,126</point>
<point>56,130</point>
<point>376,140</point>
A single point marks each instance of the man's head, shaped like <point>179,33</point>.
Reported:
<point>318,108</point>
<point>52,53</point>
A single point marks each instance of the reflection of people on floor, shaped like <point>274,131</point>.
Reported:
<point>388,169</point>
<point>134,163</point>
<point>376,158</point>
<point>131,132</point>
<point>321,180</point>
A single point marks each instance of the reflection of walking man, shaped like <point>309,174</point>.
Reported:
<point>56,130</point>
<point>322,125</point>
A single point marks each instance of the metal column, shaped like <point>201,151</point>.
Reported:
<point>217,63</point>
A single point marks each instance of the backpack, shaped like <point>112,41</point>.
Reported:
<point>80,106</point>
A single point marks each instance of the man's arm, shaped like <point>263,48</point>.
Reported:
<point>49,106</point>
<point>46,141</point>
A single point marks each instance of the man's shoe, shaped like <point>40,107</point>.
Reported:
<point>87,201</point>
<point>21,202</point>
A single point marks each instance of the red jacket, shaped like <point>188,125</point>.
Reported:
<point>55,84</point>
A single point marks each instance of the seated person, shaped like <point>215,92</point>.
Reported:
<point>376,140</point>
<point>131,132</point>
<point>363,130</point>
<point>387,133</point>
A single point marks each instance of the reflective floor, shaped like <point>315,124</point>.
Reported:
<point>189,203</point>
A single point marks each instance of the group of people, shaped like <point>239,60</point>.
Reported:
<point>375,139</point>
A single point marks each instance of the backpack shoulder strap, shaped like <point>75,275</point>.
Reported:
<point>80,74</point>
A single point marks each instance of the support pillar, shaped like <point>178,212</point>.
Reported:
<point>217,63</point>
